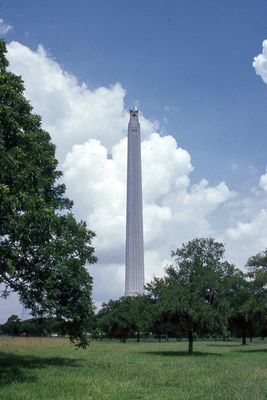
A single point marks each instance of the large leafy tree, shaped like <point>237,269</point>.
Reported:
<point>192,293</point>
<point>43,249</point>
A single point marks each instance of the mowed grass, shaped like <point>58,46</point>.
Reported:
<point>44,369</point>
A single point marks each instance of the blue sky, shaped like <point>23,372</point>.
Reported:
<point>188,65</point>
<point>192,57</point>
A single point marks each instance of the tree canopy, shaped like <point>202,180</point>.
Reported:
<point>191,294</point>
<point>257,266</point>
<point>125,317</point>
<point>43,249</point>
<point>200,295</point>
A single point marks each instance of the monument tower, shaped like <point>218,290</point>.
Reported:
<point>134,260</point>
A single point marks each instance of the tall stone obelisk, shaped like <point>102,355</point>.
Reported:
<point>134,260</point>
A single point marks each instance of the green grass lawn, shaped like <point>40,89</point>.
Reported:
<point>44,369</point>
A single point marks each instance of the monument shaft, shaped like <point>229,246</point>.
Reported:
<point>134,260</point>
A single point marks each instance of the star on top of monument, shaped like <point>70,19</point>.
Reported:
<point>134,112</point>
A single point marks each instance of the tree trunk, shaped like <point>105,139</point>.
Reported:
<point>166,337</point>
<point>138,336</point>
<point>190,342</point>
<point>244,339</point>
<point>159,336</point>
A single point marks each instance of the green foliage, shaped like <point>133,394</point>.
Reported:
<point>192,293</point>
<point>257,266</point>
<point>248,299</point>
<point>242,304</point>
<point>12,326</point>
<point>43,249</point>
<point>125,317</point>
<point>32,327</point>
<point>200,295</point>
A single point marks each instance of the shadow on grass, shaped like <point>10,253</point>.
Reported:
<point>18,368</point>
<point>224,345</point>
<point>181,353</point>
<point>253,351</point>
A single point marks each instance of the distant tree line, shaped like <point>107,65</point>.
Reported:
<point>201,295</point>
<point>14,326</point>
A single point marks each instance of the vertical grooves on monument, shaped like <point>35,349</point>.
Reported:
<point>134,257</point>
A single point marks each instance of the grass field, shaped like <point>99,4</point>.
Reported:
<point>38,369</point>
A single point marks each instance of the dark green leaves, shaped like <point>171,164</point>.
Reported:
<point>43,249</point>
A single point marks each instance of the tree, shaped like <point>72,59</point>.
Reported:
<point>43,249</point>
<point>41,326</point>
<point>141,311</point>
<point>11,326</point>
<point>191,294</point>
<point>242,300</point>
<point>115,320</point>
<point>159,319</point>
<point>30,327</point>
<point>257,267</point>
<point>125,317</point>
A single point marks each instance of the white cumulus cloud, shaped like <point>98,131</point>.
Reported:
<point>247,238</point>
<point>260,62</point>
<point>71,112</point>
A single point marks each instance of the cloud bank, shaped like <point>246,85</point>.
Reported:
<point>71,112</point>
